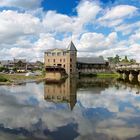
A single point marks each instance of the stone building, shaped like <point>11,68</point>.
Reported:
<point>64,58</point>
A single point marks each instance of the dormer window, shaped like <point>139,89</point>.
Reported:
<point>53,54</point>
<point>64,53</point>
<point>59,54</point>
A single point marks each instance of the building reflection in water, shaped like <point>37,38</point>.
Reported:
<point>93,85</point>
<point>66,91</point>
<point>62,92</point>
<point>133,85</point>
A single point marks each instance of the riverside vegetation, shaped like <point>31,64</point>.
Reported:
<point>21,78</point>
<point>18,78</point>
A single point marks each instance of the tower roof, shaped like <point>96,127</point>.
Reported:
<point>71,47</point>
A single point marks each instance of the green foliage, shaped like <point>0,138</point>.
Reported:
<point>117,59</point>
<point>114,60</point>
<point>3,69</point>
<point>3,79</point>
<point>14,69</point>
<point>132,61</point>
<point>125,60</point>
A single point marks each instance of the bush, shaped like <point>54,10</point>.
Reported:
<point>3,79</point>
<point>1,69</point>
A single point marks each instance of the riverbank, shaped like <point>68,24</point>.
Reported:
<point>9,79</point>
<point>108,75</point>
<point>101,75</point>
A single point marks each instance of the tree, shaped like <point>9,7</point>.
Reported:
<point>125,60</point>
<point>114,60</point>
<point>117,59</point>
<point>132,61</point>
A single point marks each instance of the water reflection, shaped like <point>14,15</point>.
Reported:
<point>102,109</point>
<point>93,85</point>
<point>62,92</point>
<point>133,85</point>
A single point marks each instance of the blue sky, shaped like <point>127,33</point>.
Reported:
<point>61,6</point>
<point>97,27</point>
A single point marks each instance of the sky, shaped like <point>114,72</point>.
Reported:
<point>97,27</point>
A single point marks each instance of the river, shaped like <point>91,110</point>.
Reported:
<point>75,109</point>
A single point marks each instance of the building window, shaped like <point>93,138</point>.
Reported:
<point>64,65</point>
<point>70,59</point>
<point>48,53</point>
<point>60,60</point>
<point>48,60</point>
<point>70,66</point>
<point>53,54</point>
<point>59,53</point>
<point>70,70</point>
<point>54,60</point>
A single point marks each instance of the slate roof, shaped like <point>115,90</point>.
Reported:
<point>50,50</point>
<point>71,47</point>
<point>91,60</point>
<point>17,60</point>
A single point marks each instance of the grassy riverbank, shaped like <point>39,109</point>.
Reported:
<point>18,78</point>
<point>107,75</point>
<point>101,75</point>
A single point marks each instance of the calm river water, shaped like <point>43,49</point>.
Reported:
<point>76,109</point>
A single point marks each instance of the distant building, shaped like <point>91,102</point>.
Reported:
<point>20,65</point>
<point>8,64</point>
<point>35,65</point>
<point>64,58</point>
<point>92,64</point>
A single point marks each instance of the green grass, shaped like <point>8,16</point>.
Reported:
<point>3,79</point>
<point>18,77</point>
<point>101,75</point>
<point>107,75</point>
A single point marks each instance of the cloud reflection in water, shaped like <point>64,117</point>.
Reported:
<point>101,112</point>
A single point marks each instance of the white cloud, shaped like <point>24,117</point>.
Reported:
<point>88,10</point>
<point>36,30</point>
<point>26,4</point>
<point>74,24</point>
<point>119,11</point>
<point>126,29</point>
<point>55,22</point>
<point>116,15</point>
<point>94,42</point>
<point>14,25</point>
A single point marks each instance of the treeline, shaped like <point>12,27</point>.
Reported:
<point>117,59</point>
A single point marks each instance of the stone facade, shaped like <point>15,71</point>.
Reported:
<point>64,58</point>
